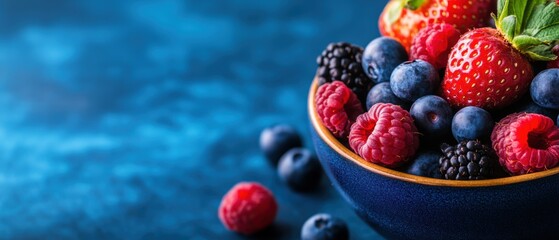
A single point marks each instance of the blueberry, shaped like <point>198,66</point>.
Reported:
<point>531,107</point>
<point>426,164</point>
<point>432,115</point>
<point>300,169</point>
<point>381,93</point>
<point>524,104</point>
<point>544,89</point>
<point>381,56</point>
<point>472,123</point>
<point>323,226</point>
<point>414,79</point>
<point>277,140</point>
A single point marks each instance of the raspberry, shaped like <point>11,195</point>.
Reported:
<point>247,208</point>
<point>337,107</point>
<point>526,142</point>
<point>433,44</point>
<point>385,135</point>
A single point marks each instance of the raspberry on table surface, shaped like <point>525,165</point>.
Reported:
<point>247,208</point>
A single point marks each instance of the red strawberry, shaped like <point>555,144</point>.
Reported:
<point>490,68</point>
<point>484,71</point>
<point>402,19</point>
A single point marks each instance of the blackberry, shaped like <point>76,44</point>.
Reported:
<point>342,61</point>
<point>469,159</point>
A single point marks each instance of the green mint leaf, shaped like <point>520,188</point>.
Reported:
<point>508,27</point>
<point>414,4</point>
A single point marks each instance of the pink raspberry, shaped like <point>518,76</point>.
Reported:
<point>526,142</point>
<point>247,208</point>
<point>433,44</point>
<point>337,107</point>
<point>384,135</point>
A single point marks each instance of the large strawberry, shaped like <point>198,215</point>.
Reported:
<point>402,19</point>
<point>490,68</point>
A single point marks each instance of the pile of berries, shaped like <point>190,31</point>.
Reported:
<point>444,95</point>
<point>250,207</point>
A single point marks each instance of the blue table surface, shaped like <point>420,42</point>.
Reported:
<point>130,119</point>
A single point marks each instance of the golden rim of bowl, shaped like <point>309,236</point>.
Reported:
<point>350,155</point>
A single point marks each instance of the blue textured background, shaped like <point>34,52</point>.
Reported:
<point>131,119</point>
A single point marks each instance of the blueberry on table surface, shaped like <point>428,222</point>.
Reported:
<point>323,226</point>
<point>277,140</point>
<point>300,169</point>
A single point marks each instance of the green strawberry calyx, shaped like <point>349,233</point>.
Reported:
<point>531,26</point>
<point>413,4</point>
<point>395,12</point>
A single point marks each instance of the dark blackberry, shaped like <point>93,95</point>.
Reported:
<point>342,61</point>
<point>467,160</point>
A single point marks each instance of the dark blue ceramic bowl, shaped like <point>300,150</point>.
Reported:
<point>403,206</point>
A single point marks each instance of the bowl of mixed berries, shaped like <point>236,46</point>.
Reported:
<point>445,126</point>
